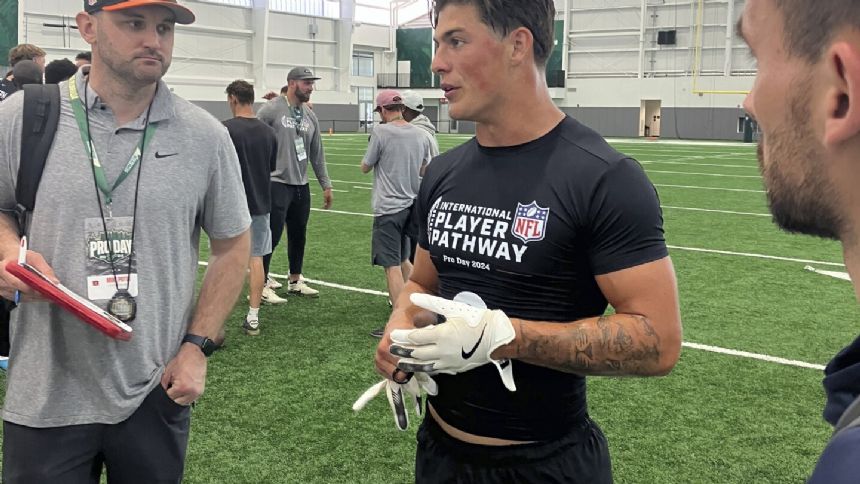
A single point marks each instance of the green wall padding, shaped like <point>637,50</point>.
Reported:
<point>554,76</point>
<point>8,28</point>
<point>415,46</point>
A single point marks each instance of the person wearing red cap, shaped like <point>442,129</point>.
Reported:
<point>397,154</point>
<point>133,176</point>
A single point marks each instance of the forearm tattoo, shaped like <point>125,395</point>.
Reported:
<point>618,344</point>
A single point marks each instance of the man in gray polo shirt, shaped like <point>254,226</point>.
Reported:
<point>298,132</point>
<point>77,400</point>
<point>397,154</point>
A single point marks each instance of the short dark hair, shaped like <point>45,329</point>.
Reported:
<point>504,16</point>
<point>810,26</point>
<point>243,91</point>
<point>26,72</point>
<point>87,56</point>
<point>24,52</point>
<point>59,70</point>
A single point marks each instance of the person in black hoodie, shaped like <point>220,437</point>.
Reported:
<point>806,100</point>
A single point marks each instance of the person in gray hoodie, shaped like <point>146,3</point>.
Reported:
<point>413,107</point>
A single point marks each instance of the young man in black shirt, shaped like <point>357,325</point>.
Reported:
<point>257,148</point>
<point>544,224</point>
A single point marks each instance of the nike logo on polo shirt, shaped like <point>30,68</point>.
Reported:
<point>468,354</point>
<point>159,155</point>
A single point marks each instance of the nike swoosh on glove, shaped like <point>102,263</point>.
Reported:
<point>399,395</point>
<point>470,333</point>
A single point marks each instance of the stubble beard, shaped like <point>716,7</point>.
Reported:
<point>808,205</point>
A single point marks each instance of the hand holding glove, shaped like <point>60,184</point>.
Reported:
<point>466,340</point>
<point>399,396</point>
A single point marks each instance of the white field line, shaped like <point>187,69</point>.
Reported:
<point>663,185</point>
<point>342,212</point>
<point>687,163</point>
<point>363,188</point>
<point>341,191</point>
<point>691,187</point>
<point>702,174</point>
<point>712,349</point>
<point>754,356</point>
<point>728,212</point>
<point>756,256</point>
<point>642,141</point>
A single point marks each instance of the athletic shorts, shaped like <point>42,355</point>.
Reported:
<point>261,236</point>
<point>580,457</point>
<point>390,242</point>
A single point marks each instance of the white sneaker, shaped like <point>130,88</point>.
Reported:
<point>251,327</point>
<point>270,297</point>
<point>273,283</point>
<point>299,288</point>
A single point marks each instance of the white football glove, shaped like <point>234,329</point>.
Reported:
<point>398,395</point>
<point>471,332</point>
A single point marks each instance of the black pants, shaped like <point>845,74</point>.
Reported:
<point>291,206</point>
<point>5,315</point>
<point>148,447</point>
<point>581,457</point>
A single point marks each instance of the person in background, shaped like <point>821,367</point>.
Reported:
<point>59,70</point>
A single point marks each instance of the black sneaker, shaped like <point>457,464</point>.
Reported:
<point>378,332</point>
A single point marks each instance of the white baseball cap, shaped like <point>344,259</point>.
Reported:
<point>413,101</point>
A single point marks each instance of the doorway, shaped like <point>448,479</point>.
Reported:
<point>649,118</point>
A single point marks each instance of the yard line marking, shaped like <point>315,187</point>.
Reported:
<point>363,188</point>
<point>341,212</point>
<point>757,256</point>
<point>709,188</point>
<point>686,163</point>
<point>730,212</point>
<point>754,356</point>
<point>709,348</point>
<point>702,174</point>
<point>349,181</point>
<point>341,191</point>
<point>837,274</point>
<point>692,187</point>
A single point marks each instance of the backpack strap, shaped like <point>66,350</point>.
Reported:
<point>849,419</point>
<point>41,116</point>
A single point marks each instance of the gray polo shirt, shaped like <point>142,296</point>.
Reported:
<point>396,153</point>
<point>62,371</point>
<point>291,170</point>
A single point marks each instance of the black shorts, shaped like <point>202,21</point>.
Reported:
<point>147,447</point>
<point>390,243</point>
<point>580,457</point>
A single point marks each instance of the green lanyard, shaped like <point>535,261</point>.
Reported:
<point>98,171</point>
<point>298,115</point>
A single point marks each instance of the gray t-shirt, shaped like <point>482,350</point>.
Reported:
<point>63,372</point>
<point>289,126</point>
<point>396,153</point>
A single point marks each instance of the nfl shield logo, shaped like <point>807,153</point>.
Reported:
<point>530,222</point>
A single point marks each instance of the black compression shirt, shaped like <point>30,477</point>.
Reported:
<point>257,148</point>
<point>527,228</point>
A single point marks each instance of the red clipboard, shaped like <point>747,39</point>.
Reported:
<point>81,307</point>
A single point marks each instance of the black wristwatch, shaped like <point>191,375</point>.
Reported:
<point>205,344</point>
